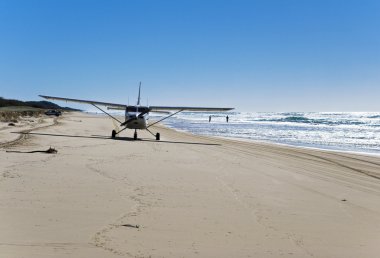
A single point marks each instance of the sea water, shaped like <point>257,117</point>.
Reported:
<point>349,131</point>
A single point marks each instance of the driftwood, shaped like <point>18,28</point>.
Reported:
<point>130,226</point>
<point>49,151</point>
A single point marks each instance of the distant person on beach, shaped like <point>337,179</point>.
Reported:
<point>209,119</point>
<point>227,118</point>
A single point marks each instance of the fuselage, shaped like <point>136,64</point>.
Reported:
<point>136,121</point>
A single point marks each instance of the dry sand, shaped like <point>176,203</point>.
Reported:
<point>185,196</point>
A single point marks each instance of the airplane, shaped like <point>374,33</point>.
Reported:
<point>136,116</point>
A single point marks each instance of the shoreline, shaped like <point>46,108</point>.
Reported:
<point>364,153</point>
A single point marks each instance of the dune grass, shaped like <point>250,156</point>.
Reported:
<point>12,114</point>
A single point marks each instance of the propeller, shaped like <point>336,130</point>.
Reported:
<point>129,120</point>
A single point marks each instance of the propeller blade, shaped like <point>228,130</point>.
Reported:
<point>129,120</point>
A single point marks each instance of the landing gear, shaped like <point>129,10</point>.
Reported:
<point>135,135</point>
<point>157,135</point>
<point>113,134</point>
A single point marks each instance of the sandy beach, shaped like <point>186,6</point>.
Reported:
<point>183,196</point>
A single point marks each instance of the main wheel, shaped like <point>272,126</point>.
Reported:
<point>135,136</point>
<point>157,136</point>
<point>113,134</point>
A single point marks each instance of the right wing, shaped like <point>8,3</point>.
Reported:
<point>206,109</point>
<point>91,102</point>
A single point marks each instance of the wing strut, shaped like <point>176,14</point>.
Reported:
<point>164,118</point>
<point>107,113</point>
<point>121,130</point>
<point>150,132</point>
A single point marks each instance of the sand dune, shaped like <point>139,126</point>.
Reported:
<point>185,196</point>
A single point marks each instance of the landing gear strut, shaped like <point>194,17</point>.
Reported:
<point>157,135</point>
<point>135,135</point>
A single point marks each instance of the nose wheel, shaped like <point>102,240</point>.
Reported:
<point>157,135</point>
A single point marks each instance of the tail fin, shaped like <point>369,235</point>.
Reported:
<point>138,98</point>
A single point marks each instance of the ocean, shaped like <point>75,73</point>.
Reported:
<point>347,131</point>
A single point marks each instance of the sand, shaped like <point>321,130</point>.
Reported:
<point>184,196</point>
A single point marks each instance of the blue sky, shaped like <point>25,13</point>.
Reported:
<point>288,55</point>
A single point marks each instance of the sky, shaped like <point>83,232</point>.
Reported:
<point>265,55</point>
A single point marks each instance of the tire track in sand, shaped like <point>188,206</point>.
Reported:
<point>24,135</point>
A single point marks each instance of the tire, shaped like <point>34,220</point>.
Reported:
<point>135,136</point>
<point>157,136</point>
<point>113,134</point>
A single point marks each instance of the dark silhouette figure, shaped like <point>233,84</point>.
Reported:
<point>209,119</point>
<point>227,118</point>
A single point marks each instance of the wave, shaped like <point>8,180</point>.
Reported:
<point>357,131</point>
<point>305,120</point>
<point>297,119</point>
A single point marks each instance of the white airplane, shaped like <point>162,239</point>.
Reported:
<point>136,116</point>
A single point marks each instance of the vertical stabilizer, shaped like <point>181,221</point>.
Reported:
<point>138,98</point>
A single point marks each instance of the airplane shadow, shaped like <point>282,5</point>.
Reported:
<point>117,138</point>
